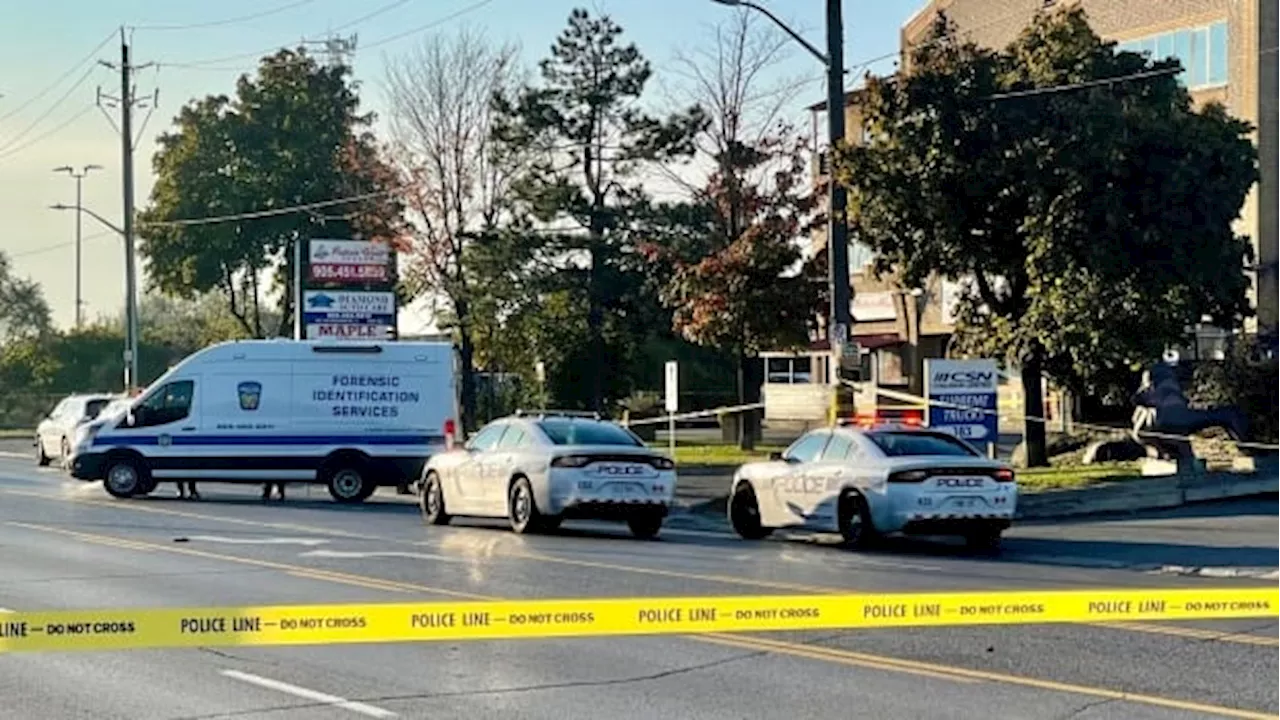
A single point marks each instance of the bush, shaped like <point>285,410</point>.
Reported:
<point>1246,378</point>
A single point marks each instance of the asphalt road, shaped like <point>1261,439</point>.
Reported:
<point>65,544</point>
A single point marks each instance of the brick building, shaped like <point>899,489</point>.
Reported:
<point>1228,48</point>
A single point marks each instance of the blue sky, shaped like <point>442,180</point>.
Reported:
<point>41,42</point>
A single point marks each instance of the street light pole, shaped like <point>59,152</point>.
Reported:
<point>79,178</point>
<point>841,295</point>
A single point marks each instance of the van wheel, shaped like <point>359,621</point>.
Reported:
<point>854,518</point>
<point>147,487</point>
<point>125,477</point>
<point>347,483</point>
<point>41,458</point>
<point>744,514</point>
<point>431,500</point>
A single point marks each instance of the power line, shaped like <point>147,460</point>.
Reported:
<point>59,246</point>
<point>14,150</point>
<point>14,140</point>
<point>1083,85</point>
<point>207,64</point>
<point>227,21</point>
<point>201,64</point>
<point>252,215</point>
<point>48,88</point>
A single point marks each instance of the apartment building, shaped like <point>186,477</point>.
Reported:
<point>1228,49</point>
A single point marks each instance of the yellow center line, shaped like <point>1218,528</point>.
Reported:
<point>952,672</point>
<point>285,567</point>
<point>813,652</point>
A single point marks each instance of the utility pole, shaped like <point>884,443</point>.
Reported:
<point>837,228</point>
<point>127,101</point>
<point>79,178</point>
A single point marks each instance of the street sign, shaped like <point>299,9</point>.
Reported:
<point>673,386</point>
<point>965,392</point>
<point>349,261</point>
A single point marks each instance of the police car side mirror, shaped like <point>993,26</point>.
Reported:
<point>777,456</point>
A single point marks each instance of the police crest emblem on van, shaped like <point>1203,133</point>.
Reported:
<point>250,395</point>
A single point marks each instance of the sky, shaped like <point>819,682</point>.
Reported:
<point>50,51</point>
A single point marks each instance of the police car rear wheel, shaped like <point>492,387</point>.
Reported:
<point>744,514</point>
<point>855,520</point>
<point>645,525</point>
<point>432,501</point>
<point>124,479</point>
<point>347,485</point>
<point>522,508</point>
<point>983,540</point>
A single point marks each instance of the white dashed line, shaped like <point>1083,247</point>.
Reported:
<point>312,695</point>
<point>309,542</point>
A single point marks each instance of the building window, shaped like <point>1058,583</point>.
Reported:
<point>789,371</point>
<point>1203,52</point>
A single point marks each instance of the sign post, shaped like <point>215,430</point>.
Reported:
<point>673,403</point>
<point>965,393</point>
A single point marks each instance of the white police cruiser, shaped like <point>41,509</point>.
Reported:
<point>350,415</point>
<point>862,482</point>
<point>538,469</point>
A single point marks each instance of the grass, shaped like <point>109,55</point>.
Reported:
<point>698,455</point>
<point>1064,477</point>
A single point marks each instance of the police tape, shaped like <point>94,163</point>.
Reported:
<point>414,622</point>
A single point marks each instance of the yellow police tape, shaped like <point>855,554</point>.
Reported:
<point>323,624</point>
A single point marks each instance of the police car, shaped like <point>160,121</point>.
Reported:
<point>539,469</point>
<point>864,482</point>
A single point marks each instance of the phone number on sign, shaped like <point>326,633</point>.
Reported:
<point>332,271</point>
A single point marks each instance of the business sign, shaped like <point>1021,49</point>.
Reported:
<point>349,261</point>
<point>348,331</point>
<point>962,398</point>
<point>872,306</point>
<point>349,306</point>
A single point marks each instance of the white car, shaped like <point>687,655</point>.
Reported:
<point>538,469</point>
<point>55,433</point>
<point>866,482</point>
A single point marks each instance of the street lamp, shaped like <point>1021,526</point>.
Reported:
<point>837,231</point>
<point>79,178</point>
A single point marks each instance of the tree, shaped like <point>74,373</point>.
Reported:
<point>442,120</point>
<point>730,270</point>
<point>1090,221</point>
<point>23,310</point>
<point>291,136</point>
<point>589,139</point>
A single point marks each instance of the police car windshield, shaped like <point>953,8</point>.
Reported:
<point>586,432</point>
<point>901,444</point>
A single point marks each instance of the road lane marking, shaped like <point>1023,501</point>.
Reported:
<point>285,567</point>
<point>355,555</point>
<point>1196,633</point>
<point>311,695</point>
<point>742,641</point>
<point>815,652</point>
<point>950,671</point>
<point>746,582</point>
<point>308,542</point>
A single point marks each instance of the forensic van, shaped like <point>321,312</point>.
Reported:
<point>353,416</point>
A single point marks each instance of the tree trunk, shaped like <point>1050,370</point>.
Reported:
<point>466,359</point>
<point>1033,409</point>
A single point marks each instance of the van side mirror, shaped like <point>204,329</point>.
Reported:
<point>776,456</point>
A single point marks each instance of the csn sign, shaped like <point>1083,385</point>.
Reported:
<point>962,398</point>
